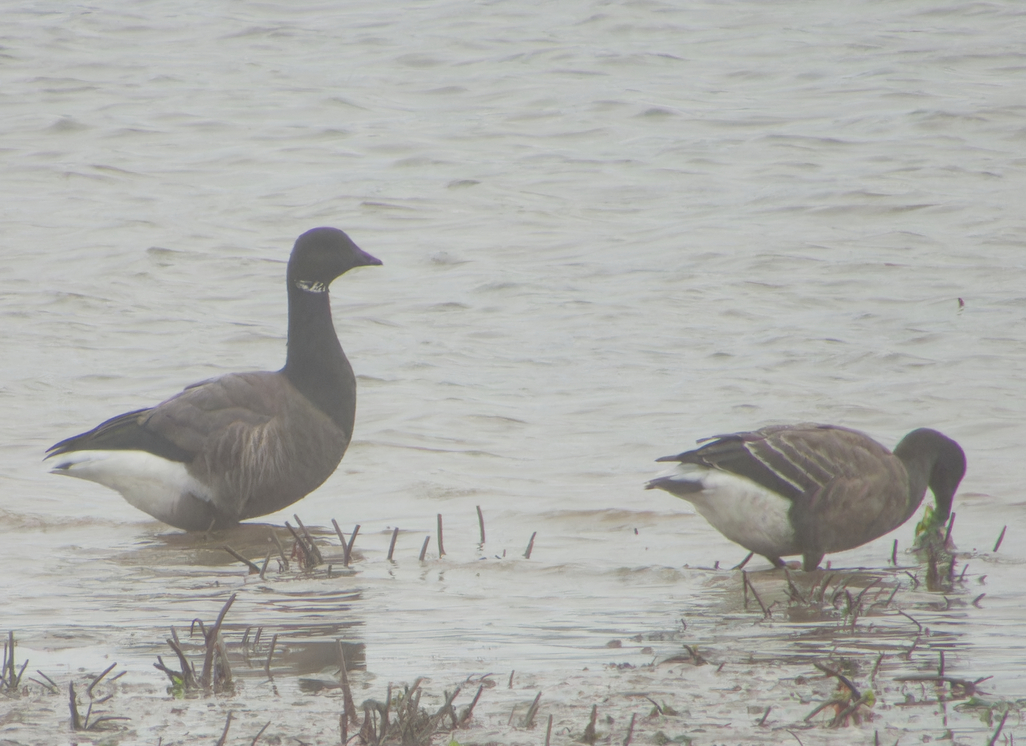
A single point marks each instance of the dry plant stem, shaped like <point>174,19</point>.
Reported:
<point>391,546</point>
<point>267,560</point>
<point>338,532</point>
<point>997,546</point>
<point>211,643</point>
<point>259,733</point>
<point>76,720</point>
<point>224,736</point>
<point>188,675</point>
<point>630,729</point>
<point>548,731</point>
<point>423,549</point>
<point>480,523</point>
<point>253,569</point>
<point>106,671</point>
<point>840,677</point>
<point>270,654</point>
<point>441,545</point>
<point>532,711</point>
<point>1001,725</point>
<point>310,540</point>
<point>740,565</point>
<point>510,685</point>
<point>281,551</point>
<point>847,711</point>
<point>796,595</point>
<point>894,554</point>
<point>590,736</point>
<point>307,551</point>
<point>349,546</point>
<point>765,611</point>
<point>765,715</point>
<point>530,546</point>
<point>347,692</point>
<point>467,713</point>
<point>50,683</point>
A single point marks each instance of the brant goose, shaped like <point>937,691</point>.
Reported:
<point>813,489</point>
<point>245,444</point>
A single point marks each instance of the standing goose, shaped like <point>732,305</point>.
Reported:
<point>245,444</point>
<point>813,489</point>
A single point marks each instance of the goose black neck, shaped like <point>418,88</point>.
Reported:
<point>931,460</point>
<point>315,363</point>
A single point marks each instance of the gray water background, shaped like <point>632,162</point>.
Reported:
<point>607,230</point>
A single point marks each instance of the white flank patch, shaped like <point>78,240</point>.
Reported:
<point>747,514</point>
<point>148,482</point>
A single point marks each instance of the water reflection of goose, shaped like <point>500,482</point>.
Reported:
<point>813,489</point>
<point>245,444</point>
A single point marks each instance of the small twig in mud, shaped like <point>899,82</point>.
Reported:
<point>590,736</point>
<point>976,601</point>
<point>747,582</point>
<point>1001,725</point>
<point>894,554</point>
<point>876,667</point>
<point>391,545</point>
<point>531,712</point>
<point>630,729</point>
<point>940,666</point>
<point>796,738</point>
<point>548,731</point>
<point>441,545</point>
<point>480,523</point>
<point>89,691</point>
<point>253,569</point>
<point>423,549</point>
<point>530,546</point>
<point>510,685</point>
<point>742,563</point>
<point>468,713</point>
<point>765,715</point>
<point>1001,538</point>
<point>224,736</point>
<point>347,693</point>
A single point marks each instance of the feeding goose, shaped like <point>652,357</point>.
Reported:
<point>244,444</point>
<point>813,489</point>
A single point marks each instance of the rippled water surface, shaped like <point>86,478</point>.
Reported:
<point>607,230</point>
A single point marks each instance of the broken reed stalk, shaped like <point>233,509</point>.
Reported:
<point>467,713</point>
<point>224,736</point>
<point>308,555</point>
<point>1000,538</point>
<point>347,693</point>
<point>840,677</point>
<point>391,545</point>
<point>211,638</point>
<point>106,671</point>
<point>76,720</point>
<point>894,554</point>
<point>260,733</point>
<point>313,547</point>
<point>532,711</point>
<point>253,569</point>
<point>1001,725</point>
<point>589,732</point>
<point>548,731</point>
<point>630,729</point>
<point>480,523</point>
<point>270,654</point>
<point>765,715</point>
<point>9,679</point>
<point>281,551</point>
<point>765,611</point>
<point>530,546</point>
<point>441,545</point>
<point>740,565</point>
<point>423,549</point>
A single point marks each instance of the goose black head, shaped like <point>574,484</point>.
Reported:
<point>322,254</point>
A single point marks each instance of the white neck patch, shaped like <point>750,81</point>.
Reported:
<point>311,286</point>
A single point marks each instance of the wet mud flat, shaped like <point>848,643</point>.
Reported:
<point>251,653</point>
